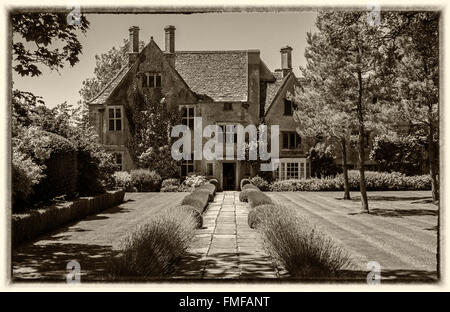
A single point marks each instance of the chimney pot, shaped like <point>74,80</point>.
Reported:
<point>170,38</point>
<point>286,60</point>
<point>133,45</point>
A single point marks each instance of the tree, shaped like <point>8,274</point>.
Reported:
<point>347,63</point>
<point>322,161</point>
<point>107,65</point>
<point>33,35</point>
<point>399,153</point>
<point>315,116</point>
<point>415,37</point>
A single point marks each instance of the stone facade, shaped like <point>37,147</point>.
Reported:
<point>221,87</point>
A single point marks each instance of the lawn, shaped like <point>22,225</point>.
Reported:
<point>400,233</point>
<point>90,241</point>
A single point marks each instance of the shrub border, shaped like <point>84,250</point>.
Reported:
<point>29,225</point>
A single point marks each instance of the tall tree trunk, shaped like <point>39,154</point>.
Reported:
<point>345,168</point>
<point>362,180</point>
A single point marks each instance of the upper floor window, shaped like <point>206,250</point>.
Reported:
<point>291,140</point>
<point>152,80</point>
<point>227,106</point>
<point>188,117</point>
<point>288,107</point>
<point>115,118</point>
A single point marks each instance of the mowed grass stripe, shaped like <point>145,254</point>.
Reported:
<point>420,221</point>
<point>419,239</point>
<point>395,250</point>
<point>402,225</point>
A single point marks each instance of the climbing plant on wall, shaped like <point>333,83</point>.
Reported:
<point>151,115</point>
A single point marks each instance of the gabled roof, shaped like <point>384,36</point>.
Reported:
<point>103,95</point>
<point>220,75</point>
<point>274,88</point>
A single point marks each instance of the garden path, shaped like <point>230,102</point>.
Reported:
<point>225,247</point>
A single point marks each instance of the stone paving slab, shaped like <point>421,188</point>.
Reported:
<point>226,247</point>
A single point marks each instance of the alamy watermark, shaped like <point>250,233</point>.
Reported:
<point>213,149</point>
<point>374,276</point>
<point>73,275</point>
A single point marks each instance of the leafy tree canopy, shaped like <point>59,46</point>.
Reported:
<point>45,39</point>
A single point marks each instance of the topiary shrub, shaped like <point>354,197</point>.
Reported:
<point>256,199</point>
<point>243,195</point>
<point>194,212</point>
<point>122,179</point>
<point>153,250</point>
<point>198,200</point>
<point>145,180</point>
<point>216,183</point>
<point>244,182</point>
<point>208,187</point>
<point>255,216</point>
<point>61,170</point>
<point>170,185</point>
<point>302,249</point>
<point>250,186</point>
<point>262,184</point>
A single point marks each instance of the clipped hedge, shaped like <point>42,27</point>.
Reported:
<point>254,217</point>
<point>208,188</point>
<point>145,180</point>
<point>250,186</point>
<point>262,184</point>
<point>194,212</point>
<point>375,181</point>
<point>61,170</point>
<point>244,182</point>
<point>301,248</point>
<point>216,183</point>
<point>122,179</point>
<point>243,195</point>
<point>256,199</point>
<point>198,200</point>
<point>152,250</point>
<point>26,226</point>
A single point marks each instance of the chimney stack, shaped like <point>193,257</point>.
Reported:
<point>133,45</point>
<point>170,39</point>
<point>286,60</point>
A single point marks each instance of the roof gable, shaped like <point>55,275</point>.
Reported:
<point>220,75</point>
<point>118,80</point>
<point>278,88</point>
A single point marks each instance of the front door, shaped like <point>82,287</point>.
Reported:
<point>229,176</point>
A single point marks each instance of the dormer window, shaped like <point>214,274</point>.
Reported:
<point>151,80</point>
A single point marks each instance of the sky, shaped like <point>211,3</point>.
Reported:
<point>267,32</point>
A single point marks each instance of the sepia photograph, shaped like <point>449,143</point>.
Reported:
<point>277,145</point>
